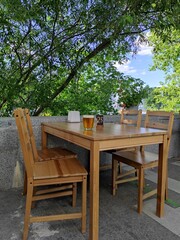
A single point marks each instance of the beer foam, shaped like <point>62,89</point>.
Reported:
<point>88,116</point>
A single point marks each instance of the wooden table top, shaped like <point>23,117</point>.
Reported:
<point>108,131</point>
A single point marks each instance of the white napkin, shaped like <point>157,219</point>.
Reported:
<point>73,116</point>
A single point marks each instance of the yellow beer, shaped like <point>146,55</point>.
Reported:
<point>88,122</point>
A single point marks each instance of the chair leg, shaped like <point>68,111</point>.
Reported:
<point>114,176</point>
<point>74,195</point>
<point>33,204</point>
<point>84,200</point>
<point>166,186</point>
<point>120,167</point>
<point>25,184</point>
<point>140,189</point>
<point>28,210</point>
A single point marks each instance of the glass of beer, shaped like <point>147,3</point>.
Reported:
<point>88,122</point>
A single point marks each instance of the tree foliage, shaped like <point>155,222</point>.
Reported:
<point>166,53</point>
<point>168,96</point>
<point>46,44</point>
<point>92,91</point>
<point>131,91</point>
<point>96,92</point>
<point>167,58</point>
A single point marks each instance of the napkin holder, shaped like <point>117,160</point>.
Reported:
<point>73,116</point>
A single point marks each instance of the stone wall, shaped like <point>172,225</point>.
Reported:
<point>11,162</point>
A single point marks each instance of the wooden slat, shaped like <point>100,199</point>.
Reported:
<point>55,153</point>
<point>135,113</point>
<point>139,158</point>
<point>126,173</point>
<point>156,125</point>
<point>129,112</point>
<point>126,180</point>
<point>105,167</point>
<point>25,141</point>
<point>56,217</point>
<point>158,113</point>
<point>58,168</point>
<point>54,189</point>
<point>129,121</point>
<point>149,194</point>
<point>47,169</point>
<point>52,195</point>
<point>70,167</point>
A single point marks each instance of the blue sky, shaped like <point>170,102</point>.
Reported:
<point>138,67</point>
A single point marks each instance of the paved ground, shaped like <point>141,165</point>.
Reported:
<point>118,217</point>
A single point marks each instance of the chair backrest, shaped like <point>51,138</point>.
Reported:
<point>126,117</point>
<point>31,133</point>
<point>25,142</point>
<point>160,120</point>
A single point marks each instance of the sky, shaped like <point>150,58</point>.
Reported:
<point>138,67</point>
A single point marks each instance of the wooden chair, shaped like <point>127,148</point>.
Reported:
<point>129,117</point>
<point>141,159</point>
<point>43,154</point>
<point>126,117</point>
<point>67,172</point>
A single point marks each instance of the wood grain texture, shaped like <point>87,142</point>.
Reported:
<point>142,160</point>
<point>110,136</point>
<point>60,171</point>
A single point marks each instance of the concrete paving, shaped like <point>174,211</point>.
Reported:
<point>118,217</point>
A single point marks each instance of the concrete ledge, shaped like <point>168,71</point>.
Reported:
<point>11,162</point>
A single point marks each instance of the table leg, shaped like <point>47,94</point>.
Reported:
<point>94,192</point>
<point>162,171</point>
<point>43,137</point>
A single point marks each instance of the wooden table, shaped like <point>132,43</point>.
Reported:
<point>111,136</point>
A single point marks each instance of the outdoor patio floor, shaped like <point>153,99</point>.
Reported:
<point>119,219</point>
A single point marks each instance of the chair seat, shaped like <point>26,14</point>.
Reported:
<point>69,167</point>
<point>136,159</point>
<point>55,153</point>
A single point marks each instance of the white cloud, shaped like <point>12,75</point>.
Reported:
<point>143,72</point>
<point>125,67</point>
<point>145,50</point>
